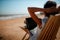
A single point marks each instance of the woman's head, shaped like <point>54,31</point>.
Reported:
<point>50,4</point>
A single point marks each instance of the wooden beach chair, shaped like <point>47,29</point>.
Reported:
<point>51,28</point>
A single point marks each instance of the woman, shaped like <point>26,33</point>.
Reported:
<point>49,9</point>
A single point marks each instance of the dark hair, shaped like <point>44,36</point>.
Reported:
<point>30,23</point>
<point>48,5</point>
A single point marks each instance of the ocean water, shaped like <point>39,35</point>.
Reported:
<point>5,17</point>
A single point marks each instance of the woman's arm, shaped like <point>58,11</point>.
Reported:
<point>35,9</point>
<point>31,11</point>
<point>52,9</point>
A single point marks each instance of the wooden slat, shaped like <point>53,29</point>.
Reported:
<point>51,28</point>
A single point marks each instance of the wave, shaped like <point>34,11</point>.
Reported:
<point>12,16</point>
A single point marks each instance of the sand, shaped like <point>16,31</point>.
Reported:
<point>10,29</point>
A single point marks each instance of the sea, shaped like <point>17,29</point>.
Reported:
<point>12,16</point>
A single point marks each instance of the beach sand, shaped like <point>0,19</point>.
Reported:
<point>10,29</point>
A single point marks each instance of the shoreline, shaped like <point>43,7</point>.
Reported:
<point>13,17</point>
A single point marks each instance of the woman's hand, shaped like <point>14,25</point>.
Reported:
<point>52,10</point>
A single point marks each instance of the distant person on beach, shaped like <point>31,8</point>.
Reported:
<point>49,9</point>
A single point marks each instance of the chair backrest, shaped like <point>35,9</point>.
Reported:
<point>51,28</point>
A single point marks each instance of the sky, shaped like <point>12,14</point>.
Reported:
<point>20,6</point>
